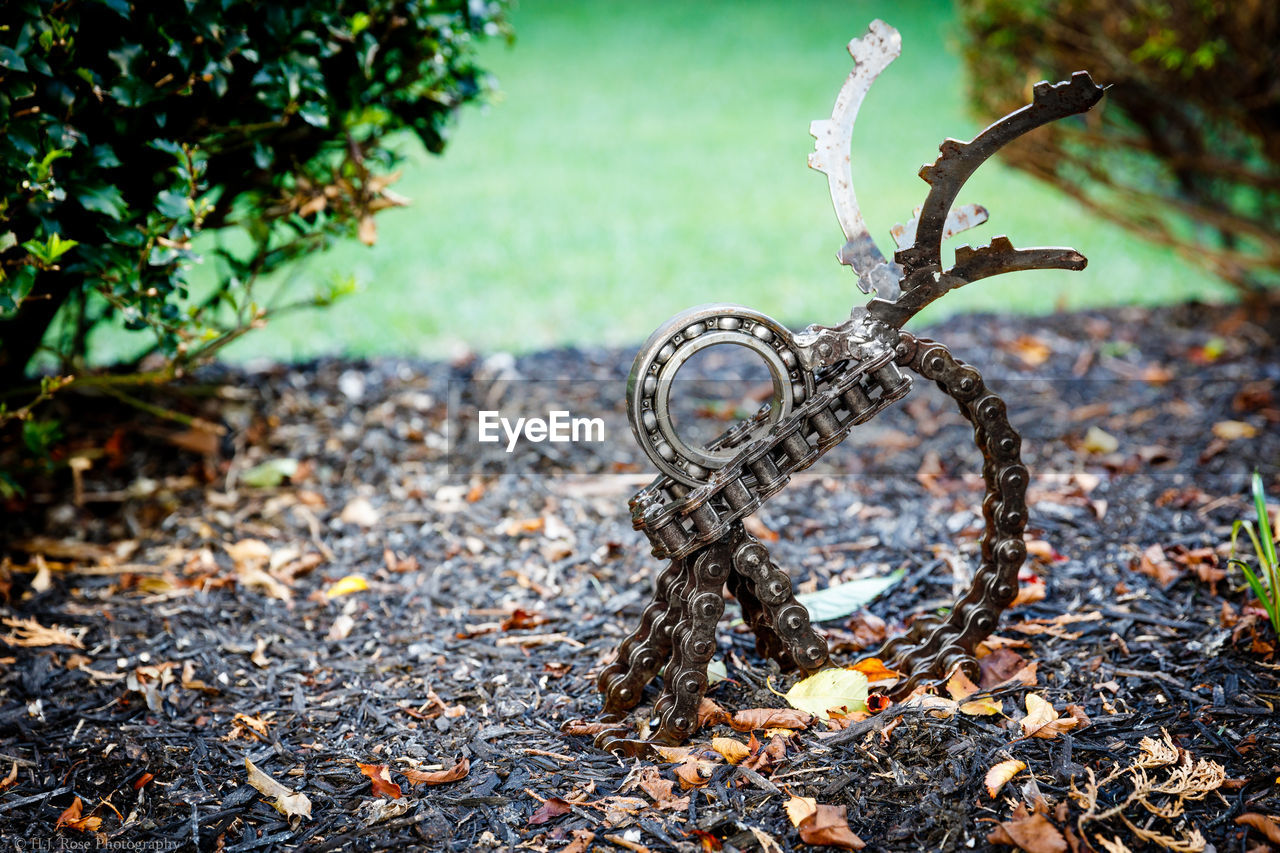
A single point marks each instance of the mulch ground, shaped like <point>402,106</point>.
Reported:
<point>172,613</point>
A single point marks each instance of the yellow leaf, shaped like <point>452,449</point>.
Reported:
<point>984,707</point>
<point>732,750</point>
<point>1042,720</point>
<point>674,754</point>
<point>346,586</point>
<point>799,808</point>
<point>830,689</point>
<point>1100,441</point>
<point>1001,773</point>
<point>1232,430</point>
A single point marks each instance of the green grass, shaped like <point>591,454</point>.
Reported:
<point>645,157</point>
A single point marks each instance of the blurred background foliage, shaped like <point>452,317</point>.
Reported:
<point>643,157</point>
<point>233,137</point>
<point>1187,151</point>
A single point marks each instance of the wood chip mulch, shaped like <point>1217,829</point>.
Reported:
<point>311,584</point>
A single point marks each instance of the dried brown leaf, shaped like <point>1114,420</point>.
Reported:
<point>71,819</point>
<point>1264,824</point>
<point>439,777</point>
<point>291,805</point>
<point>380,779</point>
<point>770,718</point>
<point>1001,773</point>
<point>1033,833</point>
<point>732,750</point>
<point>829,825</point>
<point>552,808</point>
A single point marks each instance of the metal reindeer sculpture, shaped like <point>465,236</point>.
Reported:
<point>826,381</point>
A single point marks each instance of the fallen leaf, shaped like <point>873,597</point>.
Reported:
<point>759,529</point>
<point>71,819</point>
<point>673,754</point>
<point>1042,720</point>
<point>733,750</point>
<point>1265,824</point>
<point>770,718</point>
<point>439,777</point>
<point>710,713</point>
<point>1100,442</point>
<point>800,809</point>
<point>1233,430</point>
<point>1033,833</point>
<point>1028,593</point>
<point>380,779</point>
<point>829,825</point>
<point>582,727</point>
<point>30,633</point>
<point>999,666</point>
<point>875,670</point>
<point>346,586</point>
<point>844,599</point>
<point>10,780</point>
<point>291,805</point>
<point>581,842</point>
<point>663,791</point>
<point>1154,564</point>
<point>1001,773</point>
<point>828,690</point>
<point>694,773</point>
<point>269,474</point>
<point>360,512</point>
<point>552,808</point>
<point>1029,349</point>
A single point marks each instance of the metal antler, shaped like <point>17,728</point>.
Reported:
<point>826,381</point>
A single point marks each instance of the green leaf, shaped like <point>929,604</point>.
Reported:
<point>836,602</point>
<point>104,199</point>
<point>270,474</point>
<point>1264,522</point>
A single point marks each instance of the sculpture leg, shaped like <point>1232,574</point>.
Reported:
<point>934,648</point>
<point>781,615</point>
<point>768,643</point>
<point>646,648</point>
<point>693,644</point>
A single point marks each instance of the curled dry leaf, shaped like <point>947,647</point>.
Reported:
<point>582,727</point>
<point>711,714</point>
<point>733,751</point>
<point>71,819</point>
<point>770,718</point>
<point>10,780</point>
<point>286,802</point>
<point>30,633</point>
<point>1263,823</point>
<point>380,778</point>
<point>439,777</point>
<point>694,773</point>
<point>829,825</point>
<point>1042,720</point>
<point>1001,773</point>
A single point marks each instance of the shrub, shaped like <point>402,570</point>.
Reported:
<point>126,129</point>
<point>1186,151</point>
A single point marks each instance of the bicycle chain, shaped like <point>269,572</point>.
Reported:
<point>827,380</point>
<point>675,626</point>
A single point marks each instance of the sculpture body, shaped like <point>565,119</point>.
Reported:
<point>826,381</point>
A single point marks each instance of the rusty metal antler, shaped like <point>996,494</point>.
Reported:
<point>826,381</point>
